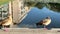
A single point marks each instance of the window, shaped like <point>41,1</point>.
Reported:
<point>22,7</point>
<point>4,12</point>
<point>23,11</point>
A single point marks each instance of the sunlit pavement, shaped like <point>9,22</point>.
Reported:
<point>29,31</point>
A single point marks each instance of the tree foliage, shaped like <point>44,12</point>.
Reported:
<point>54,6</point>
<point>4,1</point>
<point>51,6</point>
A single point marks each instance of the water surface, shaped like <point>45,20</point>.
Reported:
<point>35,15</point>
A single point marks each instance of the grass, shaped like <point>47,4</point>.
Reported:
<point>4,1</point>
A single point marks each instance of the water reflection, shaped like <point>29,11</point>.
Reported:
<point>35,15</point>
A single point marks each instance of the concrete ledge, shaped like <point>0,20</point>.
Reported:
<point>30,31</point>
<point>33,28</point>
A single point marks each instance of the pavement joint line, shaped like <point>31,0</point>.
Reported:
<point>33,28</point>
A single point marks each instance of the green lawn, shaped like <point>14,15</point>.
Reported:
<point>4,1</point>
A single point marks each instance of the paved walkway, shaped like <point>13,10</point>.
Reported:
<point>30,31</point>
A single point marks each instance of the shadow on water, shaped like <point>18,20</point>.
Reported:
<point>35,15</point>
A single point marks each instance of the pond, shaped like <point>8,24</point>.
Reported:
<point>35,15</point>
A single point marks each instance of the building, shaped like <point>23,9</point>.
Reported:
<point>19,10</point>
<point>16,8</point>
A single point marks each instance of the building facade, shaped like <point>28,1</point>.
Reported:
<point>19,10</point>
<point>16,9</point>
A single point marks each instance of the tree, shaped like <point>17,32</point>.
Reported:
<point>54,6</point>
<point>40,5</point>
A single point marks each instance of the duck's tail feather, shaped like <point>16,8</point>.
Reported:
<point>39,23</point>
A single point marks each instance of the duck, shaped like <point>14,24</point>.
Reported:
<point>44,22</point>
<point>7,21</point>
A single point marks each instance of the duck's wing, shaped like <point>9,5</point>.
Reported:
<point>44,21</point>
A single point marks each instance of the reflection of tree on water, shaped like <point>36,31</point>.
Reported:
<point>54,6</point>
<point>40,5</point>
<point>51,6</point>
